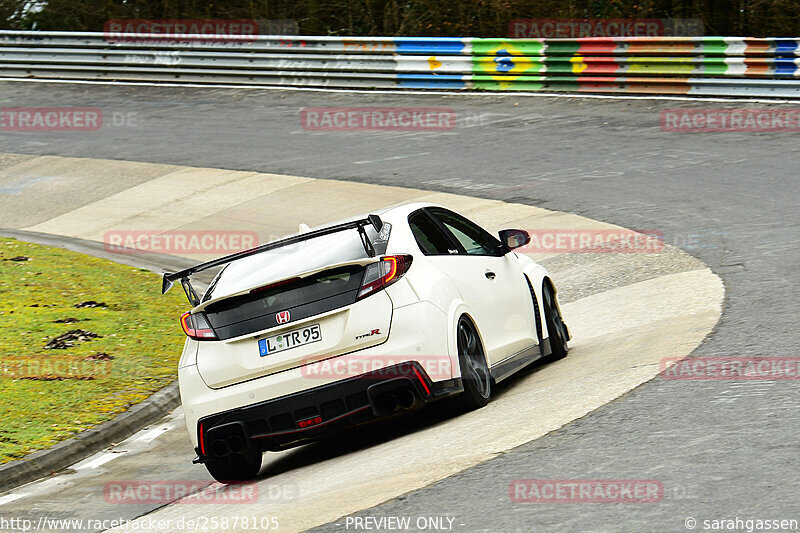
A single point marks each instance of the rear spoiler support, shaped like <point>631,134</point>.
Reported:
<point>170,278</point>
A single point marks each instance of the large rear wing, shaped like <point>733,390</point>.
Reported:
<point>170,278</point>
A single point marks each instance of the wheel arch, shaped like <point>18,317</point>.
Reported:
<point>458,311</point>
<point>549,282</point>
<point>537,276</point>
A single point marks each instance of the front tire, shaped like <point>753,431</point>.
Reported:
<point>474,369</point>
<point>235,468</point>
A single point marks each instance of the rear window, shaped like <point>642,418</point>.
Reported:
<point>303,298</point>
<point>287,261</point>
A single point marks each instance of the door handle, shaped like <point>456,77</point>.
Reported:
<point>489,274</point>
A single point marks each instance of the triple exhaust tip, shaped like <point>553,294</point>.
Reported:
<point>390,402</point>
<point>234,444</point>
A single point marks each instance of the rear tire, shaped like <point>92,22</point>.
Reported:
<point>474,370</point>
<point>235,468</point>
<point>556,329</point>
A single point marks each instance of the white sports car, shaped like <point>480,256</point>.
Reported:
<point>354,322</point>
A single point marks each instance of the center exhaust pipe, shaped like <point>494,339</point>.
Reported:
<point>385,404</point>
<point>236,444</point>
<point>406,399</point>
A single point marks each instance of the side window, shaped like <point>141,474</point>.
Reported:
<point>474,239</point>
<point>430,238</point>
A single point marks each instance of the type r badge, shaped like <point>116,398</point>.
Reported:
<point>283,317</point>
<point>370,334</point>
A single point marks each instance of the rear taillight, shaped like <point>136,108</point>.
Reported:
<point>196,327</point>
<point>383,273</point>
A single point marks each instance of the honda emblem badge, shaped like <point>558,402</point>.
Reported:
<point>283,317</point>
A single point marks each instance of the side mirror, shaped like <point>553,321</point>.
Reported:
<point>514,238</point>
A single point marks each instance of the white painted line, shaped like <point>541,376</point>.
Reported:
<point>429,93</point>
<point>390,158</point>
<point>54,482</point>
<point>8,498</point>
<point>744,389</point>
<point>94,463</point>
<point>154,433</point>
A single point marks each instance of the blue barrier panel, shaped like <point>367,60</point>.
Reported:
<point>786,47</point>
<point>422,45</point>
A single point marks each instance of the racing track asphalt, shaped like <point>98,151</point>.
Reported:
<point>611,352</point>
<point>722,449</point>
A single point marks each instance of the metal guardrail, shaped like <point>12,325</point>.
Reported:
<point>730,66</point>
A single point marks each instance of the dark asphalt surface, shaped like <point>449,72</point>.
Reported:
<point>721,449</point>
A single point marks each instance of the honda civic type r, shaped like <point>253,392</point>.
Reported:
<point>354,322</point>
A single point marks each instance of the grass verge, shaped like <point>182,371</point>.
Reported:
<point>61,299</point>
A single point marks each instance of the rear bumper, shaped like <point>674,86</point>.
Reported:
<point>312,414</point>
<point>417,334</point>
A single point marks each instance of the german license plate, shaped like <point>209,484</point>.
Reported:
<point>289,340</point>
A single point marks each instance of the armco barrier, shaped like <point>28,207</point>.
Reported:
<point>730,66</point>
